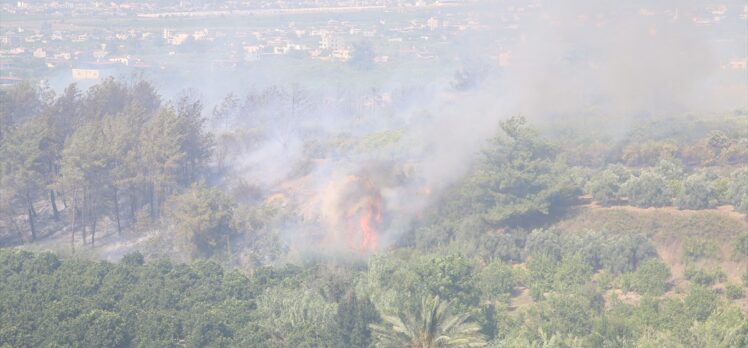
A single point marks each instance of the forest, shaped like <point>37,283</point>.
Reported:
<point>131,220</point>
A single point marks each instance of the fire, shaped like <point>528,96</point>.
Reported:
<point>354,209</point>
<point>370,219</point>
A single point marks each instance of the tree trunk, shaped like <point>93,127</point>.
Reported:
<point>64,199</point>
<point>152,203</point>
<point>84,219</point>
<point>93,232</point>
<point>31,223</point>
<point>53,201</point>
<point>74,214</point>
<point>133,206</point>
<point>228,247</point>
<point>116,212</point>
<point>16,228</point>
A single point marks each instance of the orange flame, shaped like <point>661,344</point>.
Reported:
<point>372,216</point>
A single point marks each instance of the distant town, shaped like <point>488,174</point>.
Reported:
<point>62,38</point>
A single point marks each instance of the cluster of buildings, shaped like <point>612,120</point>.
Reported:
<point>31,49</point>
<point>77,36</point>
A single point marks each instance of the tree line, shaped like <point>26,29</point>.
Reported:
<point>117,150</point>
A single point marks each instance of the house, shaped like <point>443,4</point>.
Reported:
<point>739,63</point>
<point>85,74</point>
<point>252,52</point>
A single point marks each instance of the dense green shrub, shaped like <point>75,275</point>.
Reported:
<point>704,277</point>
<point>541,270</point>
<point>671,169</point>
<point>45,301</point>
<point>737,190</point>
<point>604,187</point>
<point>496,281</point>
<point>649,189</point>
<point>618,253</point>
<point>695,248</point>
<point>651,278</point>
<point>734,291</point>
<point>571,273</point>
<point>519,180</point>
<point>697,192</point>
<point>700,302</point>
<point>544,242</point>
<point>740,245</point>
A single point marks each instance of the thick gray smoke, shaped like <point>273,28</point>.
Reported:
<point>583,62</point>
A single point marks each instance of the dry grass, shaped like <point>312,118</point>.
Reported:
<point>668,227</point>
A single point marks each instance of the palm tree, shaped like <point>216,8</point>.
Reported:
<point>435,327</point>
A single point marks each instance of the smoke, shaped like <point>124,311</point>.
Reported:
<point>361,164</point>
<point>614,64</point>
<point>360,152</point>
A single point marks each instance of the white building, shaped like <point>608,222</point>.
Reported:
<point>85,74</point>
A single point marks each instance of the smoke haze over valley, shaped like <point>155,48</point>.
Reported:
<point>346,173</point>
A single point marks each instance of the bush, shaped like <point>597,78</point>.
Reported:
<point>571,273</point>
<point>697,193</point>
<point>540,273</point>
<point>737,191</point>
<point>650,279</point>
<point>202,216</point>
<point>734,291</point>
<point>700,302</point>
<point>670,169</point>
<point>695,248</point>
<point>703,277</point>
<point>496,280</point>
<point>616,252</point>
<point>647,190</point>
<point>740,245</point>
<point>604,187</point>
<point>544,242</point>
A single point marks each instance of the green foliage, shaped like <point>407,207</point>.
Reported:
<point>571,273</point>
<point>544,242</point>
<point>496,281</point>
<point>700,302</point>
<point>734,291</point>
<point>737,191</point>
<point>398,278</point>
<point>540,275</point>
<point>649,189</point>
<point>697,193</point>
<point>704,277</point>
<point>120,155</point>
<point>726,327</point>
<point>22,170</point>
<point>116,146</point>
<point>518,180</point>
<point>670,169</point>
<point>297,317</point>
<point>648,153</point>
<point>616,252</point>
<point>651,278</point>
<point>433,325</point>
<point>45,301</point>
<point>562,314</point>
<point>605,187</point>
<point>353,320</point>
<point>203,216</point>
<point>695,248</point>
<point>740,245</point>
